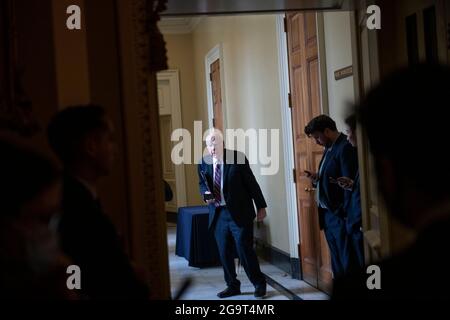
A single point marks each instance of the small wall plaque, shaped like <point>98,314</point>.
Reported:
<point>343,73</point>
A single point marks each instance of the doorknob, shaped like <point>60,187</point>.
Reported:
<point>310,189</point>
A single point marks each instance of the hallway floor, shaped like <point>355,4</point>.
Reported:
<point>207,282</point>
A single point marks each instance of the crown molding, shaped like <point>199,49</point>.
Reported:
<point>182,25</point>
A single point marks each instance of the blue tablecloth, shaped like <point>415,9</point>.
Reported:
<point>194,241</point>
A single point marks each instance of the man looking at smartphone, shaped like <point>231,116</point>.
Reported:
<point>354,214</point>
<point>339,160</point>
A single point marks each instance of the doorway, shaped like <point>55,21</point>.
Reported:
<point>304,74</point>
<point>215,87</point>
<point>169,120</point>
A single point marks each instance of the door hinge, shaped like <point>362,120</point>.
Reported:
<point>211,77</point>
<point>289,100</point>
<point>285,24</point>
<point>294,175</point>
<point>214,122</point>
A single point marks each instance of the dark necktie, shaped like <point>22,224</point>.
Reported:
<point>217,179</point>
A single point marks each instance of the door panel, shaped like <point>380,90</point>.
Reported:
<point>216,95</point>
<point>306,104</point>
<point>170,119</point>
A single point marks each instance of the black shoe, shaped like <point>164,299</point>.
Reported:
<point>229,292</point>
<point>261,291</point>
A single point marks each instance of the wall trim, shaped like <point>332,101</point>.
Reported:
<point>280,288</point>
<point>214,54</point>
<point>288,143</point>
<point>148,227</point>
<point>280,259</point>
<point>173,77</point>
<point>320,25</point>
<point>179,25</point>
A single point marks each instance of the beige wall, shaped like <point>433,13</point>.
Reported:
<point>35,55</point>
<point>71,56</point>
<point>252,97</point>
<point>251,93</point>
<point>86,68</point>
<point>104,87</point>
<point>338,53</point>
<point>180,52</point>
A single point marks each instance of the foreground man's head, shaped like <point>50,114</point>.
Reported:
<point>407,127</point>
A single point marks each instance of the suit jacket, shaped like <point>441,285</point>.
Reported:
<point>353,209</point>
<point>240,187</point>
<point>90,239</point>
<point>341,161</point>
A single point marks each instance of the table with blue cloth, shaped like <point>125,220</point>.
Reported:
<point>194,241</point>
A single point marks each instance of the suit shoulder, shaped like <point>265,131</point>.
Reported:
<point>235,157</point>
<point>239,154</point>
<point>346,147</point>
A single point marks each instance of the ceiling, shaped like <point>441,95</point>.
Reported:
<point>199,7</point>
<point>178,25</point>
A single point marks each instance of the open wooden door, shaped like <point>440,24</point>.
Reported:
<point>306,104</point>
<point>216,95</point>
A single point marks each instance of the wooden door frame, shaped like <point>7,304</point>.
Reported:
<point>366,68</point>
<point>216,53</point>
<point>286,118</point>
<point>287,134</point>
<point>173,77</point>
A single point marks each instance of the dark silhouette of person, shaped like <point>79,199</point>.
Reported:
<point>339,159</point>
<point>31,263</point>
<point>82,137</point>
<point>354,214</point>
<point>231,190</point>
<point>405,119</point>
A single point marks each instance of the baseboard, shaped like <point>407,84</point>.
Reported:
<point>279,258</point>
<point>280,288</point>
<point>296,268</point>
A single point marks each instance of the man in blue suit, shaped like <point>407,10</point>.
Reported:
<point>339,160</point>
<point>354,213</point>
<point>229,187</point>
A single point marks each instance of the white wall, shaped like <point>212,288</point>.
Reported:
<point>252,98</point>
<point>338,53</point>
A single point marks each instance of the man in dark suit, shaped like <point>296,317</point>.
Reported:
<point>339,159</point>
<point>413,177</point>
<point>353,208</point>
<point>82,138</point>
<point>229,187</point>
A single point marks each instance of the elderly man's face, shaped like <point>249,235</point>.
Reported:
<point>214,143</point>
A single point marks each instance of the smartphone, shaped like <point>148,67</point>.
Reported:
<point>208,196</point>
